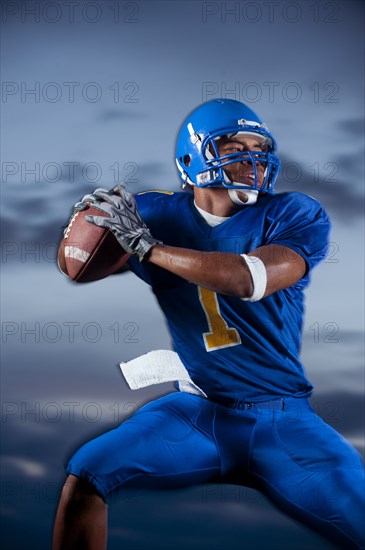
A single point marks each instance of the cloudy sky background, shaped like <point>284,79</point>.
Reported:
<point>112,83</point>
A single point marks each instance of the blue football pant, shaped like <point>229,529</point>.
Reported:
<point>287,451</point>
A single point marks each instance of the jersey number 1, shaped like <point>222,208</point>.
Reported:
<point>220,335</point>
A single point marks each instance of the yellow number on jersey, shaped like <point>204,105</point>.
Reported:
<point>219,335</point>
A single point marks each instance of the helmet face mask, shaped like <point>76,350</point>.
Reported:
<point>199,160</point>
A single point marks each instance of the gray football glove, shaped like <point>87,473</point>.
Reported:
<point>124,220</point>
<point>90,198</point>
<point>83,204</point>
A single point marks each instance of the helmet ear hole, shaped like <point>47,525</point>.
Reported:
<point>187,160</point>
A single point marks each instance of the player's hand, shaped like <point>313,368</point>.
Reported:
<point>83,204</point>
<point>90,198</point>
<point>124,220</point>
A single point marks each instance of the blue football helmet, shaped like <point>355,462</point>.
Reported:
<point>197,155</point>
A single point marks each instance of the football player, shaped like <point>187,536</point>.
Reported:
<point>228,263</point>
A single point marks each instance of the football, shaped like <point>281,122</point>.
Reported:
<point>90,252</point>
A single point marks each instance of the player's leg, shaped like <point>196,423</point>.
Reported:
<point>165,444</point>
<point>311,472</point>
<point>81,519</point>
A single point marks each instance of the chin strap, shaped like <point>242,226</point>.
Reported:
<point>251,195</point>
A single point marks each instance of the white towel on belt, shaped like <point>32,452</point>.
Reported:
<point>157,367</point>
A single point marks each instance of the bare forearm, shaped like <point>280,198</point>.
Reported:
<point>218,271</point>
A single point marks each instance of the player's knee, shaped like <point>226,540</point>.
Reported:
<point>77,489</point>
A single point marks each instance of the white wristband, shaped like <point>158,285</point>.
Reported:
<point>259,277</point>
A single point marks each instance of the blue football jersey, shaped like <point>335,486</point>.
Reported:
<point>234,348</point>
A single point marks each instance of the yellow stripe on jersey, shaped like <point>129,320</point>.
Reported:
<point>156,191</point>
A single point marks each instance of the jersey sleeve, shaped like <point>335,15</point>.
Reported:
<point>302,224</point>
<point>139,269</point>
<point>152,206</point>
